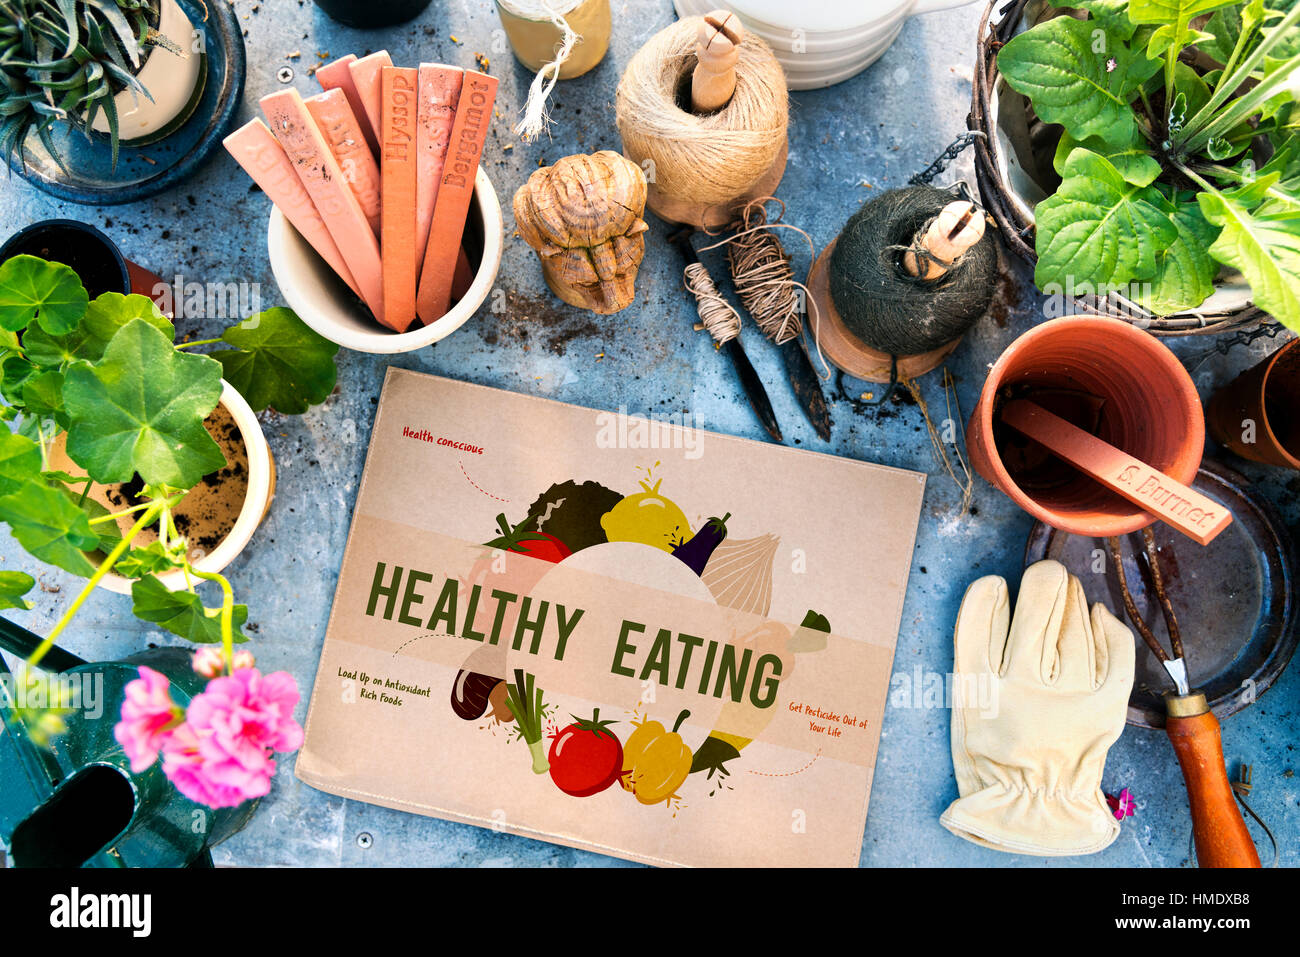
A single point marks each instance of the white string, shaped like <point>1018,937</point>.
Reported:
<point>535,118</point>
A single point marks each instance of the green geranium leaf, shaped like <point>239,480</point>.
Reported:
<point>20,462</point>
<point>108,533</point>
<point>1265,247</point>
<point>1099,232</point>
<point>14,372</point>
<point>50,293</point>
<point>43,396</point>
<point>1073,77</point>
<point>13,586</point>
<point>182,612</point>
<point>1185,271</point>
<point>1132,160</point>
<point>152,559</point>
<point>49,526</point>
<point>280,363</point>
<point>106,314</point>
<point>140,410</point>
<point>110,311</point>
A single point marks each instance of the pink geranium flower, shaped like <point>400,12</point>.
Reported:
<point>148,715</point>
<point>221,756</point>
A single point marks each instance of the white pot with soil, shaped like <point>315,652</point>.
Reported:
<point>219,515</point>
<point>173,71</point>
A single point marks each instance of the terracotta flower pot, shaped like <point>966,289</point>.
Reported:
<point>1257,415</point>
<point>1109,378</point>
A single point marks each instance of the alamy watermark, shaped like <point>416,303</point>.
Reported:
<point>672,430</point>
<point>181,299</point>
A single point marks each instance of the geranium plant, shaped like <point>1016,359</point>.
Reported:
<point>1180,152</point>
<point>132,402</point>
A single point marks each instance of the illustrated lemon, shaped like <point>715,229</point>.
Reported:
<point>647,517</point>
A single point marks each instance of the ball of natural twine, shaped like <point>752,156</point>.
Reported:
<point>706,159</point>
<point>882,304</point>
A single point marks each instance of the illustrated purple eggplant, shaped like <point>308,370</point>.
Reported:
<point>695,554</point>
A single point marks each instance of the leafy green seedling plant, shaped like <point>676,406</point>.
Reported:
<point>1180,153</point>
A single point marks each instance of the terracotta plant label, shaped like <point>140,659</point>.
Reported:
<point>398,155</point>
<point>338,124</point>
<point>264,159</point>
<point>319,171</point>
<point>1165,498</point>
<point>439,95</point>
<point>337,75</point>
<point>468,133</point>
<point>613,633</point>
<point>367,76</point>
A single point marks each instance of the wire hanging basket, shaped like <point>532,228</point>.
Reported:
<point>1013,167</point>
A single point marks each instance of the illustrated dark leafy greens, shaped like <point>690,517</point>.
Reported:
<point>1180,153</point>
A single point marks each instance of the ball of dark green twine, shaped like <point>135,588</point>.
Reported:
<point>885,306</point>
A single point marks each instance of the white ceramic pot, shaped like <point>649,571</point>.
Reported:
<point>822,42</point>
<point>326,304</point>
<point>171,78</point>
<point>261,489</point>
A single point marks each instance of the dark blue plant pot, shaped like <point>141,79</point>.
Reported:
<point>145,170</point>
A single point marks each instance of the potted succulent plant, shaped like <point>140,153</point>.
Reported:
<point>81,79</point>
<point>1145,155</point>
<point>102,383</point>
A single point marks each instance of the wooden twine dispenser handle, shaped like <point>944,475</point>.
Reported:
<point>1222,839</point>
<point>957,228</point>
<point>717,52</point>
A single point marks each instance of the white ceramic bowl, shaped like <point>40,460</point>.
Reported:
<point>822,42</point>
<point>261,489</point>
<point>325,303</point>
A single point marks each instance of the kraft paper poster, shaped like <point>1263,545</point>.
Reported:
<point>611,632</point>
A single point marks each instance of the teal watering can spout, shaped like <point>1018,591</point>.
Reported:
<point>76,802</point>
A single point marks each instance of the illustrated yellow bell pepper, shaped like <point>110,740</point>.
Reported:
<point>655,761</point>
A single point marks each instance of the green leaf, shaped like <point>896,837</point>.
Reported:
<point>1265,248</point>
<point>140,410</point>
<point>50,293</point>
<point>152,559</point>
<point>1077,79</point>
<point>281,362</point>
<point>49,526</point>
<point>105,315</point>
<point>1109,14</point>
<point>13,586</point>
<point>20,462</point>
<point>1099,233</point>
<point>1132,160</point>
<point>1185,271</point>
<point>182,612</point>
<point>1172,11</point>
<point>14,372</point>
<point>43,396</point>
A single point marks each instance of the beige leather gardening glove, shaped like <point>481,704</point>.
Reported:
<point>1035,708</point>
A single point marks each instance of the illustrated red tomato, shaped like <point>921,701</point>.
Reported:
<point>527,542</point>
<point>586,757</point>
<point>546,547</point>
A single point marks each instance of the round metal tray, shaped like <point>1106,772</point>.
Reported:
<point>1235,598</point>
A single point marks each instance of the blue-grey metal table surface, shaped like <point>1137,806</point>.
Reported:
<point>847,143</point>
